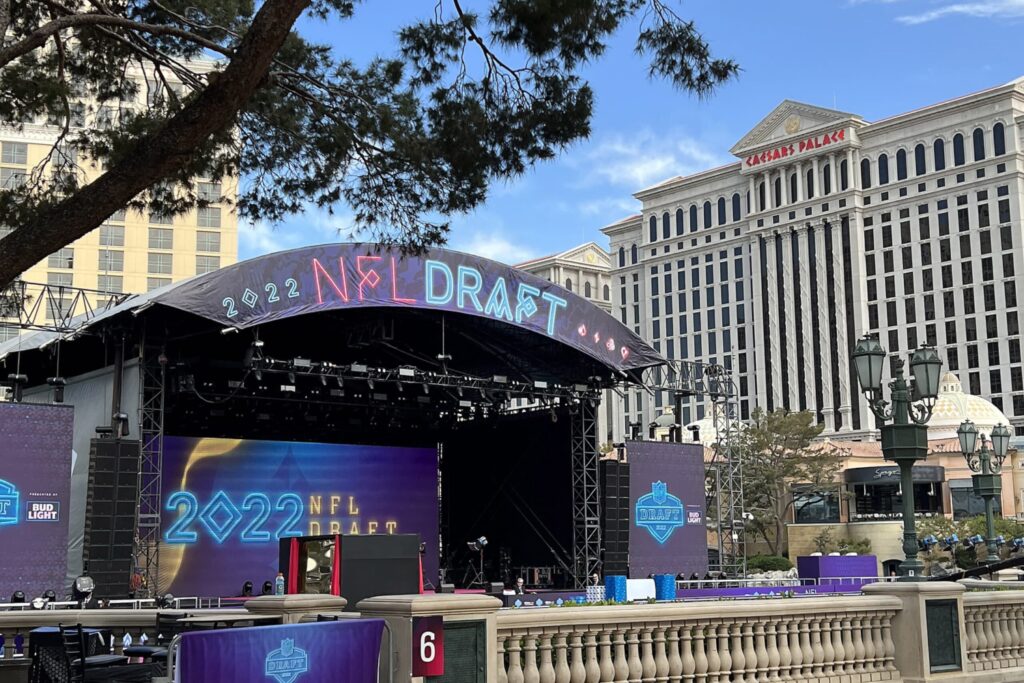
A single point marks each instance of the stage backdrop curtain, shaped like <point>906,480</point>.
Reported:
<point>336,567</point>
<point>293,567</point>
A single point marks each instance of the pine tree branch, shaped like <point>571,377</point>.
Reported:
<point>160,154</point>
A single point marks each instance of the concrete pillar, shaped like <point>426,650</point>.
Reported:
<point>292,608</point>
<point>800,194</point>
<point>817,177</point>
<point>400,610</point>
<point>753,208</point>
<point>910,627</point>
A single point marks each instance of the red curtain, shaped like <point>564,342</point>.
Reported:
<point>336,568</point>
<point>292,586</point>
<point>421,574</point>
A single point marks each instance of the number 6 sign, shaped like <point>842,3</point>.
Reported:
<point>427,646</point>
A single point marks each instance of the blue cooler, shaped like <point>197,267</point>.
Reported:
<point>665,587</point>
<point>615,588</point>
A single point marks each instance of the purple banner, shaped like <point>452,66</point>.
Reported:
<point>666,493</point>
<point>35,491</point>
<point>310,653</point>
<point>228,502</point>
<point>337,276</point>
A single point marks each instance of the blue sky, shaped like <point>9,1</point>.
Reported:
<point>874,58</point>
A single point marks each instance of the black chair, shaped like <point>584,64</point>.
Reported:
<point>73,641</point>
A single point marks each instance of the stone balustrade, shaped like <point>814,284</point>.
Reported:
<point>994,630</point>
<point>744,641</point>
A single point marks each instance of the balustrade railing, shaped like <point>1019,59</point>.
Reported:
<point>994,629</point>
<point>747,641</point>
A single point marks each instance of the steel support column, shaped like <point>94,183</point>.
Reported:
<point>586,498</point>
<point>152,381</point>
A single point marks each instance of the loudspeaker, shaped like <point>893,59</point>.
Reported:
<point>447,587</point>
<point>110,508</point>
<point>614,477</point>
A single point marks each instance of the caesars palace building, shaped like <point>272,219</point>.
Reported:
<point>828,227</point>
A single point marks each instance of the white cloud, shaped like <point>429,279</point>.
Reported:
<point>990,9</point>
<point>640,159</point>
<point>609,206</point>
<point>495,245</point>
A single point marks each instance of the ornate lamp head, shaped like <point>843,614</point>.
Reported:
<point>925,366</point>
<point>868,356</point>
<point>1000,442</point>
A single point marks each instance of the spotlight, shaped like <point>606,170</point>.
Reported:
<point>323,380</point>
<point>1017,545</point>
<point>291,378</point>
<point>18,596</point>
<point>950,543</point>
<point>50,596</point>
<point>268,588</point>
<point>1000,541</point>
<point>482,541</point>
<point>927,543</point>
<point>39,603</point>
<point>247,589</point>
<point>165,601</point>
<point>82,589</point>
<point>975,540</point>
<point>58,388</point>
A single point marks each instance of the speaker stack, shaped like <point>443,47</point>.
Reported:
<point>110,515</point>
<point>615,517</point>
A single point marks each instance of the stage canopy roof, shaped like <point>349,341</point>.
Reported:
<point>499,312</point>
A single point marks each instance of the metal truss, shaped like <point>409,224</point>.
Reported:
<point>53,308</point>
<point>152,385</point>
<point>586,495</point>
<point>724,470</point>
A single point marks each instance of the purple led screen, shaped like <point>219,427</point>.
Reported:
<point>228,502</point>
<point>35,492</point>
<point>667,534</point>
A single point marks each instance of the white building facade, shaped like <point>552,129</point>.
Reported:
<point>828,227</point>
<point>586,271</point>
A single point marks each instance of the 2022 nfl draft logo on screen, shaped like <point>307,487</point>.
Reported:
<point>659,512</point>
<point>8,503</point>
<point>286,663</point>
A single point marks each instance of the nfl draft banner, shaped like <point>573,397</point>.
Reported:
<point>342,276</point>
<point>299,653</point>
<point>35,491</point>
<point>229,502</point>
<point>666,492</point>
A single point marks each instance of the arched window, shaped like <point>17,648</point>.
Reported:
<point>762,201</point>
<point>736,207</point>
<point>792,187</point>
<point>707,215</point>
<point>826,174</point>
<point>809,185</point>
<point>939,154</point>
<point>901,164</point>
<point>586,290</point>
<point>919,166</point>
<point>693,218</point>
<point>568,283</point>
<point>748,201</point>
<point>959,158</point>
<point>607,293</point>
<point>666,226</point>
<point>865,173</point>
<point>844,175</point>
<point>998,140</point>
<point>721,211</point>
<point>883,169</point>
<point>679,222</point>
<point>632,254</point>
<point>777,191</point>
<point>979,144</point>
<point>654,229</point>
<point>622,257</point>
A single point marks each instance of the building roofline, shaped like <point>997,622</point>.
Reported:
<point>679,181</point>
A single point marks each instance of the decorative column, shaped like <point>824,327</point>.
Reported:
<point>832,174</point>
<point>753,208</point>
<point>800,194</point>
<point>817,177</point>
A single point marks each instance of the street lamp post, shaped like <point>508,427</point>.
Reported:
<point>986,465</point>
<point>905,440</point>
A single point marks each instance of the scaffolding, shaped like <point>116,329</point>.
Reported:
<point>586,495</point>
<point>152,391</point>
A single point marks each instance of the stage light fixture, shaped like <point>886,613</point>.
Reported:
<point>341,380</point>
<point>268,588</point>
<point>247,589</point>
<point>303,363</point>
<point>291,378</point>
<point>82,589</point>
<point>229,330</point>
<point>39,603</point>
<point>18,597</point>
<point>406,372</point>
<point>259,374</point>
<point>950,543</point>
<point>50,595</point>
<point>369,383</point>
<point>426,388</point>
<point>1017,545</point>
<point>500,379</point>
<point>165,601</point>
<point>323,380</point>
<point>482,541</point>
<point>58,384</point>
<point>1000,541</point>
<point>358,367</point>
<point>927,543</point>
<point>540,385</point>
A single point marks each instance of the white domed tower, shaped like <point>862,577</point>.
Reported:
<point>953,406</point>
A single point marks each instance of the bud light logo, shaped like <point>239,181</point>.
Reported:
<point>659,512</point>
<point>8,503</point>
<point>42,511</point>
<point>286,663</point>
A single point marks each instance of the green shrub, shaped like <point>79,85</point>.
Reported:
<point>768,563</point>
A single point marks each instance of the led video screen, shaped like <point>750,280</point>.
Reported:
<point>228,502</point>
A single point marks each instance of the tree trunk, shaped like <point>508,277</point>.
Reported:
<point>158,155</point>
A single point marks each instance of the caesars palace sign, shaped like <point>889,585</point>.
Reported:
<point>794,149</point>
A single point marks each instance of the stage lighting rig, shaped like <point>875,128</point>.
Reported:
<point>950,543</point>
<point>927,543</point>
<point>1017,545</point>
<point>974,541</point>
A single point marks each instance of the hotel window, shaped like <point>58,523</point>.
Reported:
<point>652,230</point>
<point>59,279</point>
<point>965,246</point>
<point>707,215</point>
<point>110,283</point>
<point>827,175</point>
<point>919,164</point>
<point>998,140</point>
<point>633,254</point>
<point>160,263</point>
<point>1007,265</point>
<point>721,211</point>
<point>844,175</point>
<point>11,178</point>
<point>14,153</point>
<point>666,226</point>
<point>679,222</point>
<point>883,169</point>
<point>865,173</point>
<point>117,216</point>
<point>979,144</point>
<point>901,164</point>
<point>210,241</point>
<point>939,154</point>
<point>156,282</point>
<point>111,260</point>
<point>111,235</point>
<point>959,158</point>
<point>693,218</point>
<point>736,213</point>
<point>207,264</point>
<point>160,219</point>
<point>622,257</point>
<point>1010,294</point>
<point>62,258</point>
<point>161,238</point>
<point>208,217</point>
<point>209,192</point>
